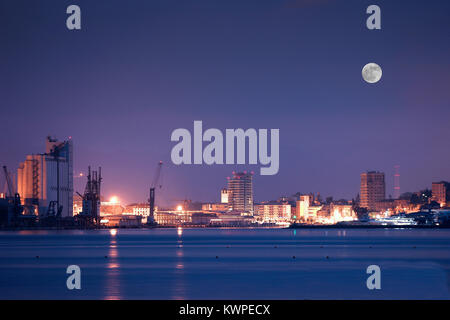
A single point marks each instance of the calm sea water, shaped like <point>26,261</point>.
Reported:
<point>225,264</point>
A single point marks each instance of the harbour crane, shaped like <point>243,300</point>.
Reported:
<point>13,198</point>
<point>92,196</point>
<point>8,182</point>
<point>151,200</point>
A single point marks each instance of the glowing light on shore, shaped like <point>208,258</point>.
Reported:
<point>114,200</point>
<point>79,175</point>
<point>179,208</point>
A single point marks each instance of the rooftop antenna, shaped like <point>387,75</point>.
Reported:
<point>397,182</point>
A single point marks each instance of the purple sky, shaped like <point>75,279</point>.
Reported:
<point>140,69</point>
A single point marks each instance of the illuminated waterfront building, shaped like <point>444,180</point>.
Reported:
<point>303,206</point>
<point>46,178</point>
<point>173,218</point>
<point>306,211</point>
<point>273,212</point>
<point>111,207</point>
<point>342,212</point>
<point>219,207</point>
<point>373,189</point>
<point>441,192</point>
<point>140,209</point>
<point>240,193</point>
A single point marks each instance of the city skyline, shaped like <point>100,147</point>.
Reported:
<point>17,177</point>
<point>45,192</point>
<point>291,65</point>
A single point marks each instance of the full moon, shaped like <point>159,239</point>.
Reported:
<point>371,72</point>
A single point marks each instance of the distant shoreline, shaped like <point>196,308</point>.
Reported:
<point>240,228</point>
<point>371,226</point>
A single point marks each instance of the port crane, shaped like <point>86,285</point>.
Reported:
<point>13,198</point>
<point>8,182</point>
<point>151,200</point>
<point>92,196</point>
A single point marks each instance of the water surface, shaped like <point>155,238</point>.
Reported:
<point>225,263</point>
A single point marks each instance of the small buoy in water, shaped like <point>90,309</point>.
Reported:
<point>414,247</point>
<point>321,246</point>
<point>328,257</point>
<point>293,257</point>
<point>275,247</point>
<point>106,256</point>
<point>217,257</point>
<point>37,257</point>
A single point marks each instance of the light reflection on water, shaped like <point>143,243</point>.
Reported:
<point>183,263</point>
<point>113,269</point>
<point>179,289</point>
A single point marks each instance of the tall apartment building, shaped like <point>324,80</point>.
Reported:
<point>240,193</point>
<point>441,192</point>
<point>373,189</point>
<point>47,177</point>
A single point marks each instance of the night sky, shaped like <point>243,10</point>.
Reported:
<point>140,69</point>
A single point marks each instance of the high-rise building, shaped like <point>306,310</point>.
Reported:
<point>373,189</point>
<point>441,192</point>
<point>48,177</point>
<point>240,193</point>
